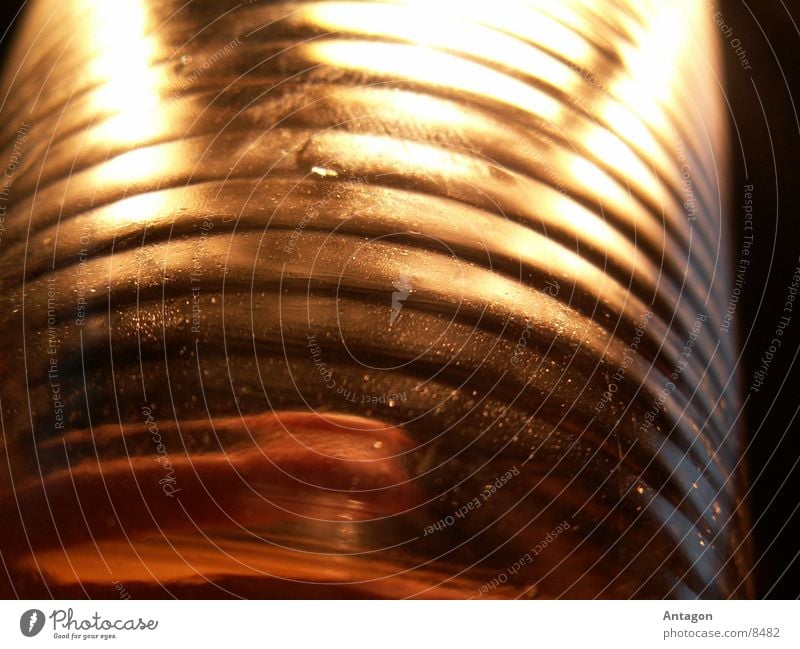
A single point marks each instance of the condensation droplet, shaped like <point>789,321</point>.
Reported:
<point>324,172</point>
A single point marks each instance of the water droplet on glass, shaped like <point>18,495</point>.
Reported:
<point>324,172</point>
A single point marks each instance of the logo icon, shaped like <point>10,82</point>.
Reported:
<point>403,289</point>
<point>31,622</point>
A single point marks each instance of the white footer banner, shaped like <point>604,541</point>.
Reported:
<point>401,624</point>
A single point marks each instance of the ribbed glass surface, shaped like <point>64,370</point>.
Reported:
<point>393,299</point>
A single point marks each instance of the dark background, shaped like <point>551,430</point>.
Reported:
<point>768,30</point>
<point>763,105</point>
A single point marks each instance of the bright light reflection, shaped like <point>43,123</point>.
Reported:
<point>128,98</point>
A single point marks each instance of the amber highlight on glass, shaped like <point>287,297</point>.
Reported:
<point>367,299</point>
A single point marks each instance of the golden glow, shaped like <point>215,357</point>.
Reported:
<point>531,22</point>
<point>143,208</point>
<point>516,36</point>
<point>588,225</point>
<point>463,152</point>
<point>642,96</point>
<point>600,184</point>
<point>615,154</point>
<point>137,166</point>
<point>441,113</point>
<point>128,96</point>
<point>440,27</point>
<point>632,128</point>
<point>650,61</point>
<point>128,100</point>
<point>435,68</point>
<point>192,558</point>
